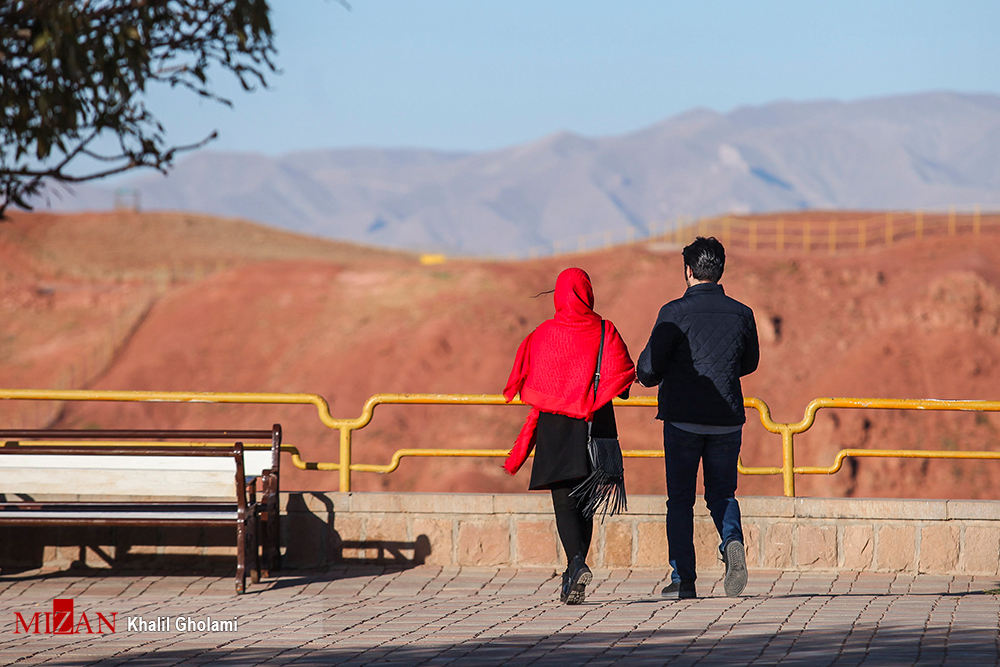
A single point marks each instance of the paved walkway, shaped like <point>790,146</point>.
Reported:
<point>489,616</point>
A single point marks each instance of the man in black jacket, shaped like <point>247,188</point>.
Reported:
<point>699,348</point>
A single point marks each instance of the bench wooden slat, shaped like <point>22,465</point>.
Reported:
<point>131,518</point>
<point>108,506</point>
<point>123,434</point>
<point>35,450</point>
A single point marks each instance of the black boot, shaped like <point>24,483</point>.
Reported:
<point>579,576</point>
<point>564,590</point>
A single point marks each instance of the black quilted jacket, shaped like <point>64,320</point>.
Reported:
<point>701,344</point>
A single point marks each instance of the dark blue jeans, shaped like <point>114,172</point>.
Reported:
<point>718,454</point>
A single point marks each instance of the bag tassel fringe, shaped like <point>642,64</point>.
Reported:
<point>601,493</point>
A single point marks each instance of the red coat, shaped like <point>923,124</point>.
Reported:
<point>555,364</point>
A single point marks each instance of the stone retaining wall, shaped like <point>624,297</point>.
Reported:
<point>814,534</point>
<point>518,530</point>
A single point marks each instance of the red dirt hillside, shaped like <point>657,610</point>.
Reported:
<point>181,302</point>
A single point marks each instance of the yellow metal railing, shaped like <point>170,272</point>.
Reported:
<point>806,231</point>
<point>346,427</point>
<point>813,231</point>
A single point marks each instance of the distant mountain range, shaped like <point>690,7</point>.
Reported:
<point>917,151</point>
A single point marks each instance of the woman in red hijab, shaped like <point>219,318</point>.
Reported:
<point>554,373</point>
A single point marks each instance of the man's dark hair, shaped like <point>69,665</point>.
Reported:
<point>707,258</point>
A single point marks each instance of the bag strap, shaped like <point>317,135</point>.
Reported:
<point>597,373</point>
<point>600,357</point>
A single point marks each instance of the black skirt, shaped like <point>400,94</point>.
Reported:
<point>561,446</point>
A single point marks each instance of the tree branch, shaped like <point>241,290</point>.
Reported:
<point>73,70</point>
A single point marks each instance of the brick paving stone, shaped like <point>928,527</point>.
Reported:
<point>432,615</point>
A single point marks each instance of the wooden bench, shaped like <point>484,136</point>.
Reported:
<point>148,478</point>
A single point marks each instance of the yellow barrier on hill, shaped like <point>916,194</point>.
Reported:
<point>345,467</point>
<point>832,233</point>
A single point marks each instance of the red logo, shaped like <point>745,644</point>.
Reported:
<point>61,621</point>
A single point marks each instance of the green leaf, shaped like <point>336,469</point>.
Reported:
<point>42,149</point>
<point>41,42</point>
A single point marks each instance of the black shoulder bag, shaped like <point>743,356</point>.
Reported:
<point>604,489</point>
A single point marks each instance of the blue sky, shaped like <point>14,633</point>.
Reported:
<point>478,75</point>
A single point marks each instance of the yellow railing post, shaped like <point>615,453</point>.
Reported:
<point>345,458</point>
<point>787,461</point>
